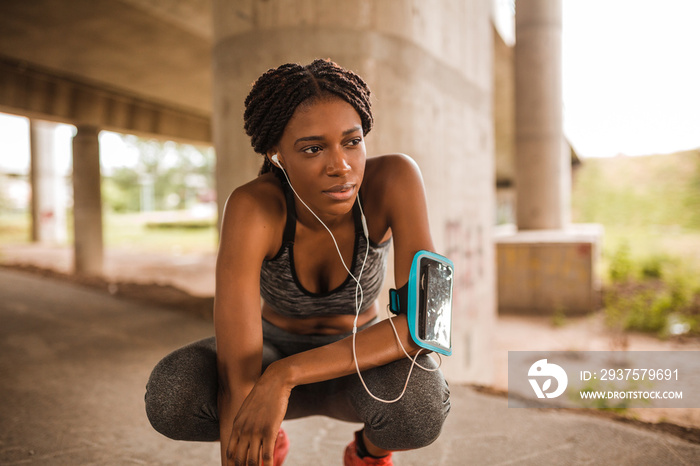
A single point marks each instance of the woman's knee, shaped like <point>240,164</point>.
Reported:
<point>181,394</point>
<point>416,420</point>
<point>162,390</point>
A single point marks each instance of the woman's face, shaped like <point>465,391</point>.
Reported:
<point>322,150</point>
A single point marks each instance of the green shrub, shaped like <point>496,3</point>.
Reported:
<point>182,224</point>
<point>652,267</point>
<point>621,267</point>
<point>650,209</point>
<point>651,294</point>
<point>648,311</point>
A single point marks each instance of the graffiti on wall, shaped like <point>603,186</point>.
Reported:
<point>465,247</point>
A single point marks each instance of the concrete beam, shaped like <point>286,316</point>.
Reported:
<point>37,93</point>
<point>154,49</point>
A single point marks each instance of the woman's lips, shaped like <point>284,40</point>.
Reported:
<point>340,192</point>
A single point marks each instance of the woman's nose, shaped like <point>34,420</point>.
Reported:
<point>337,163</point>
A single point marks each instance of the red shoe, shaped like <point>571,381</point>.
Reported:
<point>352,459</point>
<point>281,448</point>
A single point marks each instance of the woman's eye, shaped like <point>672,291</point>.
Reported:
<point>354,142</point>
<point>312,150</point>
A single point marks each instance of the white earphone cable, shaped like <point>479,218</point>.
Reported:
<point>358,304</point>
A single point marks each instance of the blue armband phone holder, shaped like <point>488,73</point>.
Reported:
<point>427,301</point>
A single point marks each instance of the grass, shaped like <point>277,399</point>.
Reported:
<point>125,231</point>
<point>639,192</point>
<point>135,231</point>
<point>14,227</point>
<point>652,204</point>
<point>650,208</point>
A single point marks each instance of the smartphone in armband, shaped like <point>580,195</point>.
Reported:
<point>427,301</point>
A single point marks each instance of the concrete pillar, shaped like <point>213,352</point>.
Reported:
<point>429,67</point>
<point>87,202</point>
<point>543,168</point>
<point>48,186</point>
<point>547,265</point>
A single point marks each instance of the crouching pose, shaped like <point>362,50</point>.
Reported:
<point>310,235</point>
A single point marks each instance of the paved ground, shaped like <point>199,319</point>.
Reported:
<point>74,361</point>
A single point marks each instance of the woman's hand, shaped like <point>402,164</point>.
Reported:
<point>258,421</point>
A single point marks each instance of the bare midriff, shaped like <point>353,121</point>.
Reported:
<point>318,325</point>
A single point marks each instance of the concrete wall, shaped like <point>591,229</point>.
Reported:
<point>549,272</point>
<point>429,65</point>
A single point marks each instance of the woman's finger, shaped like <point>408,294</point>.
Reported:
<point>238,455</point>
<point>231,450</point>
<point>254,453</point>
<point>267,450</point>
<point>247,453</point>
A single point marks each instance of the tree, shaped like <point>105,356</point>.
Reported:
<point>167,175</point>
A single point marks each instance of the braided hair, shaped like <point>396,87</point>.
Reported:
<point>279,91</point>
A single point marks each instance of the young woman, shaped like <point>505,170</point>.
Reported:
<point>290,354</point>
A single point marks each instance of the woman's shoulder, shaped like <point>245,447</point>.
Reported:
<point>391,168</point>
<point>257,207</point>
<point>389,173</point>
<point>261,196</point>
<point>391,162</point>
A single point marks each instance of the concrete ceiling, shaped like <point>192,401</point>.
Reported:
<point>158,50</point>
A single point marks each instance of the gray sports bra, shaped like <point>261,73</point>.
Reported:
<point>281,289</point>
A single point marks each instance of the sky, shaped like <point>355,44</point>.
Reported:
<point>631,84</point>
<point>631,76</point>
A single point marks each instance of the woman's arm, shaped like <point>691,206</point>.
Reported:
<point>245,239</point>
<point>407,212</point>
<point>376,346</point>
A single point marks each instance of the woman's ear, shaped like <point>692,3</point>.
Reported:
<point>274,157</point>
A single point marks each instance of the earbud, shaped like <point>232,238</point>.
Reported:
<point>276,160</point>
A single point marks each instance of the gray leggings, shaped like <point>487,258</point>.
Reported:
<point>181,395</point>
